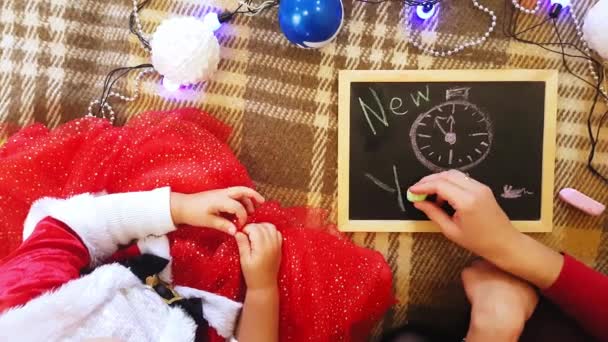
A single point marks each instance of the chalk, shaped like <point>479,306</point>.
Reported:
<point>581,201</point>
<point>415,198</point>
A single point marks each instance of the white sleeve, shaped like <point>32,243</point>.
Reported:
<point>105,222</point>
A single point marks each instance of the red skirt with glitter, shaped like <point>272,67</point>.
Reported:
<point>330,289</point>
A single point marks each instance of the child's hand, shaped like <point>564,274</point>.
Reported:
<point>500,303</point>
<point>260,252</point>
<point>205,209</point>
<point>479,224</point>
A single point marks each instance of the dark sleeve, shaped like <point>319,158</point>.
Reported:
<point>49,258</point>
<point>582,293</point>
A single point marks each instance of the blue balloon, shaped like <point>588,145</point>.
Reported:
<point>311,23</point>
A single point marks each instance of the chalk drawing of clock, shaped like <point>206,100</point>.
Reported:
<point>455,134</point>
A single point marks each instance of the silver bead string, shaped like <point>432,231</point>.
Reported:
<point>138,26</point>
<point>107,112</point>
<point>431,51</point>
<point>251,9</point>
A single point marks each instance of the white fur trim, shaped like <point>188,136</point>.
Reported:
<point>174,328</point>
<point>45,318</point>
<point>105,222</point>
<point>57,315</point>
<point>220,312</point>
<point>159,246</point>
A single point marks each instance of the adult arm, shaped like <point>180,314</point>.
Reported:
<point>482,227</point>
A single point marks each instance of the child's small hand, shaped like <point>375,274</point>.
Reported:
<point>260,252</point>
<point>205,209</point>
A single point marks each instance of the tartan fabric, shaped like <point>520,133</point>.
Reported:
<point>282,102</point>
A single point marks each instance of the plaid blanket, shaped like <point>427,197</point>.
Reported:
<point>282,102</point>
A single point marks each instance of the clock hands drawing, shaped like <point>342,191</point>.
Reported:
<point>449,137</point>
<point>455,134</point>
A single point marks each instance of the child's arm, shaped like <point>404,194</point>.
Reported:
<point>50,257</point>
<point>260,252</point>
<point>105,222</point>
<point>62,236</point>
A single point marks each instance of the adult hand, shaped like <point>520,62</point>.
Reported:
<point>483,228</point>
<point>500,303</point>
<point>478,224</point>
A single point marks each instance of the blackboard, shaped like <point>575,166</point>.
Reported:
<point>396,127</point>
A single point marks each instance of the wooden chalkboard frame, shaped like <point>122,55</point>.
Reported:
<point>346,77</point>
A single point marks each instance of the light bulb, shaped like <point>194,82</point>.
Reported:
<point>563,3</point>
<point>426,11</point>
<point>170,85</point>
<point>212,21</point>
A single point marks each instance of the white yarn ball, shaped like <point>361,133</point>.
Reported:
<point>595,28</point>
<point>184,50</point>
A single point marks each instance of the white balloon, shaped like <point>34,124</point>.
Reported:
<point>184,50</point>
<point>595,28</point>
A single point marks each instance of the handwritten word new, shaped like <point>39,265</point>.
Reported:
<point>396,106</point>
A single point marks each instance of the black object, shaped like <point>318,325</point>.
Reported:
<point>504,118</point>
<point>145,265</point>
<point>111,78</point>
<point>556,9</point>
<point>132,27</point>
<point>410,3</point>
<point>417,333</point>
<point>511,28</point>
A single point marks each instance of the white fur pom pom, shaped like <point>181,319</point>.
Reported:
<point>184,50</point>
<point>595,28</point>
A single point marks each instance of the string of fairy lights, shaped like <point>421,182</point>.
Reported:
<point>299,28</point>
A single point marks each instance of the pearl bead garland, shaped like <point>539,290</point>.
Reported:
<point>427,49</point>
<point>107,111</point>
<point>524,9</point>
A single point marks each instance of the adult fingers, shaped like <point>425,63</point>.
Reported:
<point>455,195</point>
<point>240,192</point>
<point>236,208</point>
<point>244,247</point>
<point>437,215</point>
<point>222,224</point>
<point>461,179</point>
<point>455,177</point>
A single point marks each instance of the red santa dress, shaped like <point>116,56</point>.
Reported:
<point>330,289</point>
